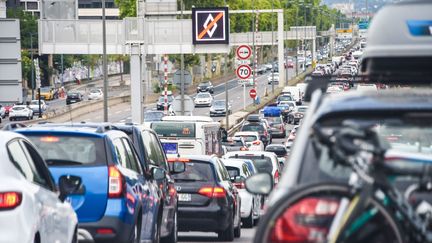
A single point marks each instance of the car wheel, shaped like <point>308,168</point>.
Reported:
<point>228,233</point>
<point>237,231</point>
<point>172,237</point>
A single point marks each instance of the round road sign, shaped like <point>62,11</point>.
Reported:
<point>243,52</point>
<point>252,93</point>
<point>243,71</point>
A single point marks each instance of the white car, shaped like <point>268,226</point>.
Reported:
<point>2,112</point>
<point>250,207</point>
<point>34,106</point>
<point>252,140</point>
<point>95,94</point>
<point>203,99</point>
<point>32,209</point>
<point>273,78</point>
<point>265,162</point>
<point>20,111</point>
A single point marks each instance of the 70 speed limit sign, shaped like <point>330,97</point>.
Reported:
<point>243,71</point>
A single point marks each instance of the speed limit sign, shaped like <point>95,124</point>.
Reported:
<point>243,71</point>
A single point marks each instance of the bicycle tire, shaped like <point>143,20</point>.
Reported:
<point>324,189</point>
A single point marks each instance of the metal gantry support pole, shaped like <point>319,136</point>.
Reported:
<point>182,81</point>
<point>136,89</point>
<point>271,48</point>
<point>226,88</point>
<point>62,71</point>
<point>282,80</point>
<point>105,70</point>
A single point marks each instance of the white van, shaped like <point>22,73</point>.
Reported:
<point>189,135</point>
<point>294,91</point>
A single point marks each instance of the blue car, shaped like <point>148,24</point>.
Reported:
<point>118,193</point>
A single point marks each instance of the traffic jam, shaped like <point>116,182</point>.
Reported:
<point>342,155</point>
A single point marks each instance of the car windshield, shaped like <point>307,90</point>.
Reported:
<point>253,127</point>
<point>196,171</point>
<point>153,116</point>
<point>45,89</point>
<point>94,91</point>
<point>72,94</point>
<point>280,151</point>
<point>162,99</point>
<point>285,98</point>
<point>203,96</point>
<point>262,163</point>
<point>204,84</point>
<point>69,150</point>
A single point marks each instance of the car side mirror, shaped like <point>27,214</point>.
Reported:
<point>178,167</point>
<point>158,173</point>
<point>260,184</point>
<point>68,185</point>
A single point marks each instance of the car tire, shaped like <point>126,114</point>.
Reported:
<point>135,236</point>
<point>172,237</point>
<point>228,233</point>
<point>237,230</point>
<point>249,221</point>
<point>156,233</point>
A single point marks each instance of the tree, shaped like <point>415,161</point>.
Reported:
<point>127,8</point>
<point>28,25</point>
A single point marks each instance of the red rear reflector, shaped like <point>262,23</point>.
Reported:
<point>244,149</point>
<point>105,231</point>
<point>239,185</point>
<point>115,182</point>
<point>215,192</point>
<point>276,177</point>
<point>10,200</point>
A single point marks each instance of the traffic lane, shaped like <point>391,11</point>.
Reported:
<point>202,237</point>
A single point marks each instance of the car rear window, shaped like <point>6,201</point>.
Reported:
<point>262,164</point>
<point>253,128</point>
<point>233,143</point>
<point>278,150</point>
<point>196,171</point>
<point>249,138</point>
<point>233,171</point>
<point>60,150</point>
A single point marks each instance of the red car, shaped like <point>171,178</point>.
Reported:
<point>289,64</point>
<point>7,108</point>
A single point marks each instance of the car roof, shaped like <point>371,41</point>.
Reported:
<point>94,130</point>
<point>265,153</point>
<point>371,101</point>
<point>247,133</point>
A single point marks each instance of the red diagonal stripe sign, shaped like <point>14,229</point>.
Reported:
<point>202,34</point>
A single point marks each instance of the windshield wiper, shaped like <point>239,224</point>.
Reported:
<point>62,162</point>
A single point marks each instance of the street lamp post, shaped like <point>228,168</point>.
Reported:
<point>32,66</point>
<point>105,74</point>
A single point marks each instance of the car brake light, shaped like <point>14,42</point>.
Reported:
<point>257,142</point>
<point>306,221</point>
<point>115,182</point>
<point>172,160</point>
<point>105,231</point>
<point>10,200</point>
<point>276,177</point>
<point>239,185</point>
<point>215,192</point>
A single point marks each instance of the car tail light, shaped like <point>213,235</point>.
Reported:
<point>257,142</point>
<point>306,221</point>
<point>115,182</point>
<point>239,185</point>
<point>276,177</point>
<point>215,192</point>
<point>10,200</point>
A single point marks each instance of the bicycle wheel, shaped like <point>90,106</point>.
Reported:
<point>306,214</point>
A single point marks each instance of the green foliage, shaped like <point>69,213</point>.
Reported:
<point>190,60</point>
<point>28,25</point>
<point>127,8</point>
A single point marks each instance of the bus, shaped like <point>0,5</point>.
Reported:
<point>189,135</point>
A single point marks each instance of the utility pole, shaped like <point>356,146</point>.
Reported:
<point>105,74</point>
<point>226,86</point>
<point>32,66</point>
<point>62,69</point>
<point>182,81</point>
<point>297,42</point>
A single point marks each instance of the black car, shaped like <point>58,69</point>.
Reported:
<point>160,105</point>
<point>73,97</point>
<point>208,200</point>
<point>205,87</point>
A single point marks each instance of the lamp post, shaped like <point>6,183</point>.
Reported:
<point>33,85</point>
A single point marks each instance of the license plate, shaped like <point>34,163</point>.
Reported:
<point>184,197</point>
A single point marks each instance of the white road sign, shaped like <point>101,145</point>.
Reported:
<point>244,71</point>
<point>243,52</point>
